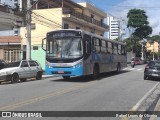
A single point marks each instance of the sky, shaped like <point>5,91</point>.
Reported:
<point>120,8</point>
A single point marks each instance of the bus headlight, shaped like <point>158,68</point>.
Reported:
<point>78,65</point>
<point>48,64</point>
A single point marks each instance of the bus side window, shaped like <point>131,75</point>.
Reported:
<point>115,49</point>
<point>103,46</point>
<point>119,49</point>
<point>97,45</point>
<point>109,47</point>
<point>93,44</point>
<point>87,44</point>
<point>123,50</point>
<point>106,47</point>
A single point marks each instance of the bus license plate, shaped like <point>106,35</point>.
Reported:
<point>60,72</point>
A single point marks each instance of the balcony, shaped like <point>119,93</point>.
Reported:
<point>85,18</point>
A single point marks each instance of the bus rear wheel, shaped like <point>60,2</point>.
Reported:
<point>118,68</point>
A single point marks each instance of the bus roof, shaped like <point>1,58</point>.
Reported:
<point>89,33</point>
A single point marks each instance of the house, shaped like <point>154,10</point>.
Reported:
<point>49,15</point>
<point>152,46</point>
<point>10,48</point>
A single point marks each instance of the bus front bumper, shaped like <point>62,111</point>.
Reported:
<point>68,71</point>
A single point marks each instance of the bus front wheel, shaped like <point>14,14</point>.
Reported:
<point>66,77</point>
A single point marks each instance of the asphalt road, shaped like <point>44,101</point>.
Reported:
<point>112,92</point>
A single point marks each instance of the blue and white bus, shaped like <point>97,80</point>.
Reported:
<point>78,53</point>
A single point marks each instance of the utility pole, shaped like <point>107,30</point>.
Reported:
<point>28,28</point>
<point>142,57</point>
<point>130,32</point>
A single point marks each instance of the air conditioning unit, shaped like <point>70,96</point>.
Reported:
<point>16,32</point>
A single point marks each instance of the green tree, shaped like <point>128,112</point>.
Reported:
<point>143,32</point>
<point>139,28</point>
<point>156,38</point>
<point>136,48</point>
<point>128,44</point>
<point>137,18</point>
<point>117,39</point>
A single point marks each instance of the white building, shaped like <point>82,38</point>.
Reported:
<point>11,3</point>
<point>8,24</point>
<point>114,27</point>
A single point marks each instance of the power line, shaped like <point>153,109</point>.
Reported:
<point>47,19</point>
<point>152,7</point>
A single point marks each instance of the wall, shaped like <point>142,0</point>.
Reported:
<point>151,47</point>
<point>45,20</point>
<point>1,54</point>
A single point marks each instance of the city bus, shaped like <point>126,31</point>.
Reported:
<point>72,52</point>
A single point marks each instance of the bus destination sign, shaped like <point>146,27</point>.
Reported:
<point>66,34</point>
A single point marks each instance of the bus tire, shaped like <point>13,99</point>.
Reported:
<point>66,77</point>
<point>95,72</point>
<point>118,68</point>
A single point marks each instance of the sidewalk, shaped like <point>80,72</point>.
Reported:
<point>150,102</point>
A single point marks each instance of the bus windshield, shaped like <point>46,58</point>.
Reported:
<point>70,47</point>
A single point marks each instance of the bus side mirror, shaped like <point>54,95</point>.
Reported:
<point>44,45</point>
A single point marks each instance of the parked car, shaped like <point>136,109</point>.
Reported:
<point>152,70</point>
<point>2,64</point>
<point>22,70</point>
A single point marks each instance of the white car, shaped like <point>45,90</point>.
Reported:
<point>21,70</point>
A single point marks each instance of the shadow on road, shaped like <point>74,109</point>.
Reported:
<point>154,79</point>
<point>75,79</point>
<point>89,77</point>
<point>9,82</point>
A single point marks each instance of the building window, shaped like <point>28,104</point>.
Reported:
<point>16,32</point>
<point>66,26</point>
<point>92,18</point>
<point>11,55</point>
<point>33,26</point>
<point>35,47</point>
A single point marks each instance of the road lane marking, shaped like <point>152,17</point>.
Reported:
<point>40,98</point>
<point>139,69</point>
<point>135,107</point>
<point>132,69</point>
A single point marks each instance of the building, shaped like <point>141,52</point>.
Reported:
<point>115,28</point>
<point>49,15</point>
<point>10,48</point>
<point>10,20</point>
<point>7,2</point>
<point>152,46</point>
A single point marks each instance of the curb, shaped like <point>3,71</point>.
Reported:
<point>157,108</point>
<point>145,102</point>
<point>145,99</point>
<point>48,76</point>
